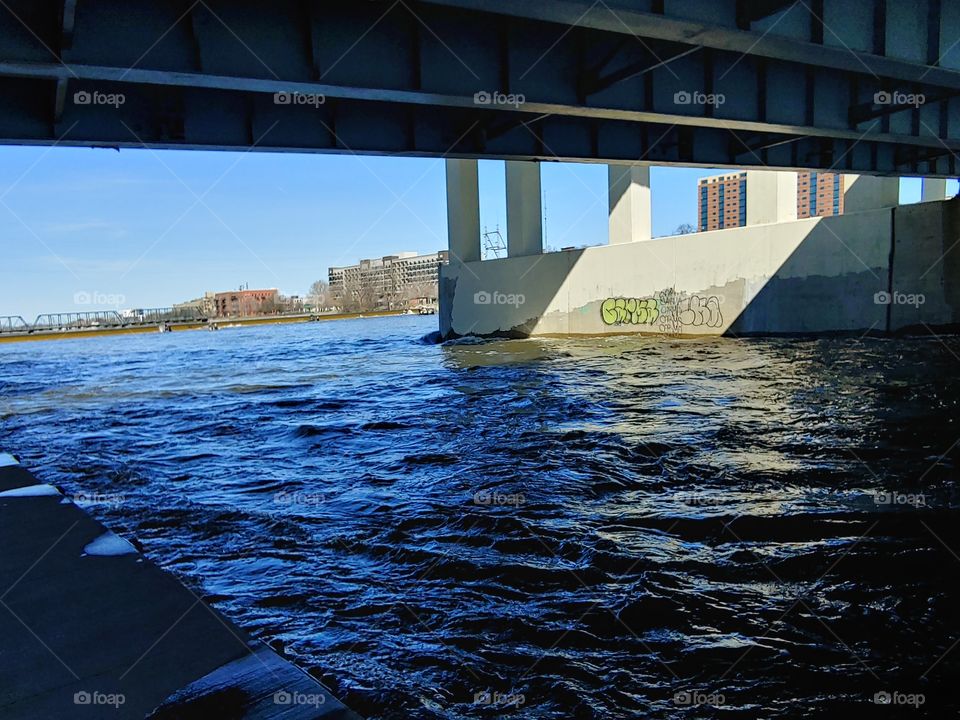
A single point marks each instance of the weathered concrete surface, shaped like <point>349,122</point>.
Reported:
<point>815,275</point>
<point>79,630</point>
<point>926,264</point>
<point>828,281</point>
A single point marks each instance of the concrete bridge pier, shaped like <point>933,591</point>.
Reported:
<point>463,210</point>
<point>630,209</point>
<point>867,192</point>
<point>771,197</point>
<point>524,222</point>
<point>524,211</point>
<point>933,189</point>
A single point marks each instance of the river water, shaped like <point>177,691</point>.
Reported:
<point>554,528</point>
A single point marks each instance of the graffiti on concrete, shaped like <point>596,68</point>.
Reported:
<point>629,311</point>
<point>674,311</point>
<point>699,311</point>
<point>679,310</point>
<point>669,301</point>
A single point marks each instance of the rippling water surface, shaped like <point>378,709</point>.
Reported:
<point>549,528</point>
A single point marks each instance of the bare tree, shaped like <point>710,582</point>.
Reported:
<point>319,295</point>
<point>366,297</point>
<point>417,290</point>
<point>684,229</point>
<point>349,300</point>
<point>268,306</point>
<point>358,294</point>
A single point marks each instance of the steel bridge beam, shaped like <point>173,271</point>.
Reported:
<point>794,85</point>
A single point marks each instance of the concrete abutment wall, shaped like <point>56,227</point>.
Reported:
<point>883,269</point>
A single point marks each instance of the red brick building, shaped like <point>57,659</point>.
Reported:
<point>819,194</point>
<point>722,201</point>
<point>247,303</point>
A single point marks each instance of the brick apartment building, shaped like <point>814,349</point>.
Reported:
<point>246,303</point>
<point>722,199</point>
<point>819,194</point>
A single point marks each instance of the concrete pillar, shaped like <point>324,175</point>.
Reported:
<point>524,215</point>
<point>867,192</point>
<point>463,210</point>
<point>630,213</point>
<point>933,189</point>
<point>771,196</point>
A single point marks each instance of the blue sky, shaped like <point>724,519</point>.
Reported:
<point>146,229</point>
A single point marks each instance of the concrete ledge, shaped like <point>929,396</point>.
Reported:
<point>92,629</point>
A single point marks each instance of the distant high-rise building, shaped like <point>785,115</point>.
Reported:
<point>819,194</point>
<point>381,281</point>
<point>722,199</point>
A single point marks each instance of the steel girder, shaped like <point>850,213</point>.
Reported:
<point>854,85</point>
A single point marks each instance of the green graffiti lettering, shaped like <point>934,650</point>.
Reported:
<point>629,311</point>
<point>608,311</point>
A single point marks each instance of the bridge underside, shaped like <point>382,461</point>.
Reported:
<point>868,86</point>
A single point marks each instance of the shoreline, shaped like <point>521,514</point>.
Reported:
<point>221,324</point>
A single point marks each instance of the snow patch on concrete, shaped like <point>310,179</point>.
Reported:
<point>108,545</point>
<point>31,491</point>
<point>6,460</point>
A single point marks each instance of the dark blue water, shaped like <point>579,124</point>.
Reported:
<point>552,528</point>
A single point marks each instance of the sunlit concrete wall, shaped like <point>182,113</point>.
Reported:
<point>806,276</point>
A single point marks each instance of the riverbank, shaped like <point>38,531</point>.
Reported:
<point>217,323</point>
